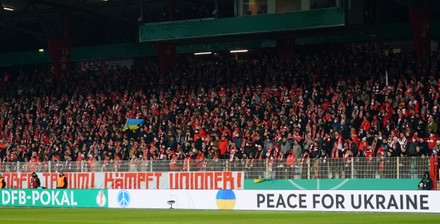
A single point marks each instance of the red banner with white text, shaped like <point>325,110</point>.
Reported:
<point>203,180</point>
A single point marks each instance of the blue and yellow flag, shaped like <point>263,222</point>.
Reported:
<point>133,124</point>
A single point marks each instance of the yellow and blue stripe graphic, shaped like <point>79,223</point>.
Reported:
<point>225,199</point>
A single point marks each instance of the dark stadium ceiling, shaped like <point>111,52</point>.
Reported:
<point>95,22</point>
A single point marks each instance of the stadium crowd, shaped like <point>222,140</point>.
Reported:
<point>324,104</point>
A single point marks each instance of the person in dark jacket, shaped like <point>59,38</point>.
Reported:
<point>426,182</point>
<point>35,181</point>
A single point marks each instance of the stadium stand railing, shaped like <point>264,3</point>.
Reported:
<point>310,168</point>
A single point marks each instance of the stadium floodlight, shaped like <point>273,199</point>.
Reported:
<point>239,51</point>
<point>8,8</point>
<point>203,53</point>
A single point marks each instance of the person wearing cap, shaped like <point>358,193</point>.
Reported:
<point>62,181</point>
<point>2,182</point>
<point>35,181</point>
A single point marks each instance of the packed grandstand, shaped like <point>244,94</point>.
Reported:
<point>334,105</point>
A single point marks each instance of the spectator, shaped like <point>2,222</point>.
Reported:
<point>223,146</point>
<point>62,181</point>
<point>426,182</point>
<point>2,182</point>
<point>35,181</point>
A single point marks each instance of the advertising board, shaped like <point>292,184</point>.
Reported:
<point>53,198</point>
<point>282,200</point>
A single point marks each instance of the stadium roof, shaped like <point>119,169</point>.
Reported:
<point>26,24</point>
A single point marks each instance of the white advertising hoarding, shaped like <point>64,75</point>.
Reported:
<point>348,201</point>
<point>193,199</point>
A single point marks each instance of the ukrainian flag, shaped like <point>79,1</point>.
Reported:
<point>225,199</point>
<point>133,124</point>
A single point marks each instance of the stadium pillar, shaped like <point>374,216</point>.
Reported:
<point>166,56</point>
<point>434,171</point>
<point>419,15</point>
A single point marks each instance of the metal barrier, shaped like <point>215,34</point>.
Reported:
<point>434,162</point>
<point>374,167</point>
